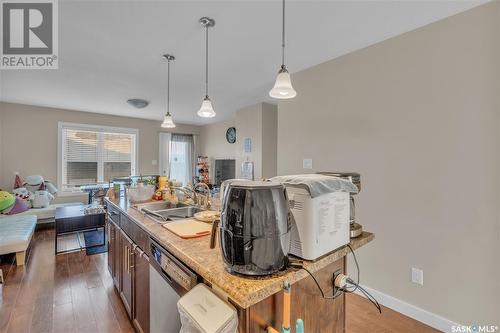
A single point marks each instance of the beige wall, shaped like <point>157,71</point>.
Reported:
<point>213,143</point>
<point>418,117</point>
<point>28,137</point>
<point>249,125</point>
<point>269,140</point>
<point>258,122</point>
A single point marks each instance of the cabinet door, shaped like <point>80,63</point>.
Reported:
<point>141,291</point>
<point>111,243</point>
<point>126,286</point>
<point>116,250</point>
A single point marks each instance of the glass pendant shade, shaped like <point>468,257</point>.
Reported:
<point>206,110</point>
<point>283,86</point>
<point>167,121</point>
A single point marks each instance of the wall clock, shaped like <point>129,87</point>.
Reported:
<point>231,135</point>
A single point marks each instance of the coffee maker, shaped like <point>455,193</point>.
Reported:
<point>355,178</point>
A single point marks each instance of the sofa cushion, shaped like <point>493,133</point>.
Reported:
<point>45,213</point>
<point>16,233</point>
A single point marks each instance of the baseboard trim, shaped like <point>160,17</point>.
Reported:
<point>412,311</point>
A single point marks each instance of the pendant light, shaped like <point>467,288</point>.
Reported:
<point>283,86</point>
<point>206,110</point>
<point>167,120</point>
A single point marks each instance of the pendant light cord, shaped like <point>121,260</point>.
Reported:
<point>283,37</point>
<point>206,63</point>
<point>168,86</point>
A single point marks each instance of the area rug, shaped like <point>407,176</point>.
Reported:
<point>94,237</point>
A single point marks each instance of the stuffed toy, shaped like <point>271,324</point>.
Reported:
<point>23,194</point>
<point>37,183</point>
<point>19,206</point>
<point>6,200</point>
<point>18,181</point>
<point>41,199</point>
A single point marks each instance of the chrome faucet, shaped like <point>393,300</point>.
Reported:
<point>189,192</point>
<point>208,204</point>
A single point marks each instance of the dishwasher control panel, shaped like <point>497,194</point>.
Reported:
<point>173,268</point>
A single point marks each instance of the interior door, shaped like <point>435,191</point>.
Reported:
<point>164,153</point>
<point>127,278</point>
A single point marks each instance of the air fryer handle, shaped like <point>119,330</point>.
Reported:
<point>213,235</point>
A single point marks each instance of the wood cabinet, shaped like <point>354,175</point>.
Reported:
<point>127,272</point>
<point>128,264</point>
<point>320,315</point>
<point>110,230</point>
<point>114,252</point>
<point>141,291</point>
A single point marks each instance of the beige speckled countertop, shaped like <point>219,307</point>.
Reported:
<point>208,263</point>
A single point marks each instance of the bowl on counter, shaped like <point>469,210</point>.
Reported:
<point>140,193</point>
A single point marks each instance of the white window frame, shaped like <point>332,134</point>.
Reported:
<point>100,130</point>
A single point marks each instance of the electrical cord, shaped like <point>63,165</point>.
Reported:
<point>351,282</point>
<point>371,299</point>
<point>317,283</point>
<point>358,287</point>
<point>298,264</point>
<point>358,270</point>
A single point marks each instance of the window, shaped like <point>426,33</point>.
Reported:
<point>182,158</point>
<point>94,154</point>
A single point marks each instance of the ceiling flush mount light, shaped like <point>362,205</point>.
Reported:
<point>283,86</point>
<point>206,110</point>
<point>138,103</point>
<point>167,119</point>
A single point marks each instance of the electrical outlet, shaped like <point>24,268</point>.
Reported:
<point>417,276</point>
<point>336,291</point>
<point>307,163</point>
<point>154,162</point>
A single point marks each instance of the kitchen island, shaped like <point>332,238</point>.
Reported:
<point>257,299</point>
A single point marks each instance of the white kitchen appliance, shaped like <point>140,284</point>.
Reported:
<point>320,224</point>
<point>201,311</point>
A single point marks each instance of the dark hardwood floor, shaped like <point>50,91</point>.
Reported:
<point>74,292</point>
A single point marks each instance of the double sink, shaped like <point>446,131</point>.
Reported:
<point>165,212</point>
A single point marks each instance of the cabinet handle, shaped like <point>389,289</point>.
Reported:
<point>131,258</point>
<point>131,262</point>
<point>125,256</point>
<point>128,259</point>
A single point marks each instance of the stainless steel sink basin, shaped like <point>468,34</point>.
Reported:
<point>169,214</point>
<point>160,205</point>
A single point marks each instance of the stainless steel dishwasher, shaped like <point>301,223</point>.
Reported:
<point>169,279</point>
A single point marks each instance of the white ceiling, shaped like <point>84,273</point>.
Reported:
<point>110,51</point>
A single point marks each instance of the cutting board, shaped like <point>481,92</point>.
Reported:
<point>189,228</point>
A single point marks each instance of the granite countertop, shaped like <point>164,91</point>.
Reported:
<point>208,263</point>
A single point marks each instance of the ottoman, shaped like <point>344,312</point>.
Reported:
<point>15,235</point>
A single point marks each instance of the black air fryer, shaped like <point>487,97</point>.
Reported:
<point>255,227</point>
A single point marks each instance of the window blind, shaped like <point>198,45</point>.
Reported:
<point>94,155</point>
